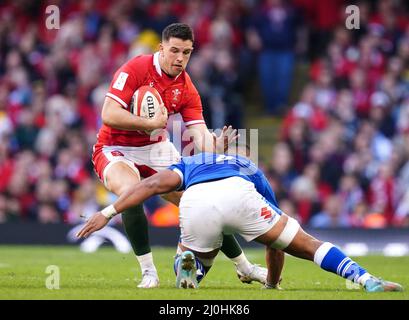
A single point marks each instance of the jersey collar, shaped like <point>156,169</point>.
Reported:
<point>157,65</point>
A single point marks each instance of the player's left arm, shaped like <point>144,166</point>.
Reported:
<point>274,257</point>
<point>275,264</point>
<point>162,182</point>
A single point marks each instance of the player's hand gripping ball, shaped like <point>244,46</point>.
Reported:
<point>145,102</point>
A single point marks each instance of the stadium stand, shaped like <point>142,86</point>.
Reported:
<point>341,154</point>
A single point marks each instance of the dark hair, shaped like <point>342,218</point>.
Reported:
<point>178,30</point>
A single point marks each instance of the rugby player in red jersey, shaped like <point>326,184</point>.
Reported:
<point>124,153</point>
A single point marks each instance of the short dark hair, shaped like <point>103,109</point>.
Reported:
<point>178,30</point>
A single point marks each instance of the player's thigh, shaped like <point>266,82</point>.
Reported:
<point>157,157</point>
<point>119,176</point>
<point>200,222</point>
<point>245,211</point>
<point>200,230</point>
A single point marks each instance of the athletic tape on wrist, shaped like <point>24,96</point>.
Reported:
<point>109,212</point>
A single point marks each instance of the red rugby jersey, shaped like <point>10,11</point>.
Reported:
<point>178,94</point>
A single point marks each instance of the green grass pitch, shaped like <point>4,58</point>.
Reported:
<point>107,274</point>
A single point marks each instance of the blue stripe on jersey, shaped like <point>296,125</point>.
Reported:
<point>205,167</point>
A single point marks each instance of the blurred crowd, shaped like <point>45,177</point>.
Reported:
<point>343,155</point>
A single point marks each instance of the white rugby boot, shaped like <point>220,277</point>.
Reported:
<point>150,279</point>
<point>257,273</point>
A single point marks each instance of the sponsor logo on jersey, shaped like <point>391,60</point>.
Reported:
<point>176,93</point>
<point>266,213</point>
<point>120,81</point>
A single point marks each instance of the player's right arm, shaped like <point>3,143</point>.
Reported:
<point>126,80</point>
<point>114,116</point>
<point>162,182</point>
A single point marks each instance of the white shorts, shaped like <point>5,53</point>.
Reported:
<point>145,161</point>
<point>232,205</point>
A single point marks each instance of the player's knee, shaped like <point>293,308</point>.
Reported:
<point>119,177</point>
<point>122,188</point>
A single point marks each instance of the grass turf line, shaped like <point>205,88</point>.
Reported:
<point>107,274</point>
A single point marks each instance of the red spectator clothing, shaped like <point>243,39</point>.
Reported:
<point>6,172</point>
<point>343,67</point>
<point>374,76</point>
<point>304,209</point>
<point>178,94</point>
<point>379,19</point>
<point>26,202</point>
<point>324,191</point>
<point>361,98</point>
<point>202,31</point>
<point>299,155</point>
<point>317,121</point>
<point>89,116</point>
<point>21,18</point>
<point>382,192</point>
<point>175,8</point>
<point>323,15</point>
<point>75,171</point>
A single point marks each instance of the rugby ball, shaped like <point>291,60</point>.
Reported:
<point>145,102</point>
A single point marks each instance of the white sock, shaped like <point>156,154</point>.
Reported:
<point>362,279</point>
<point>243,265</point>
<point>146,262</point>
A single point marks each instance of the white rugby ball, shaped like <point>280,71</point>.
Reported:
<point>145,102</point>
